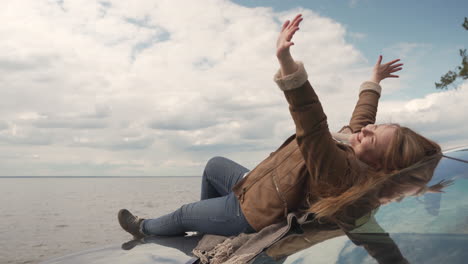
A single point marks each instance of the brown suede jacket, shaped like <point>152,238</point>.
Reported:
<point>309,161</point>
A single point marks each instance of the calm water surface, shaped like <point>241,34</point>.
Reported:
<point>44,218</point>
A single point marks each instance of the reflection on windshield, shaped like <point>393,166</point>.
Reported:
<point>184,244</point>
<point>432,228</point>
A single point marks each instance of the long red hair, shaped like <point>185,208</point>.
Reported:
<point>410,160</point>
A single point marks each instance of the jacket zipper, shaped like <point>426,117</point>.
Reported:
<point>245,189</point>
<point>285,203</point>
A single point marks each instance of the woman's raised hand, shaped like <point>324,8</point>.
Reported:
<point>284,39</point>
<point>382,71</point>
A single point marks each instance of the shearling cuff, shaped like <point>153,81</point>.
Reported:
<point>291,81</point>
<point>370,86</point>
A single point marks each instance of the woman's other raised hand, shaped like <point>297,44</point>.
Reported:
<point>382,71</point>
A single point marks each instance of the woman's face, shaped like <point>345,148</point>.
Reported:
<point>370,144</point>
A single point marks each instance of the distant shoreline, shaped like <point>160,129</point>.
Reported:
<point>89,177</point>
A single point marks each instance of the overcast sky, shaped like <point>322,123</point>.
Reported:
<point>157,87</point>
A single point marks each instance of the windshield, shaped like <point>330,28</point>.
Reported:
<point>432,228</point>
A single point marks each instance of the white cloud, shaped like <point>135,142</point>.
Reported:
<point>150,81</point>
<point>3,125</point>
<point>37,138</point>
<point>121,143</point>
<point>439,116</point>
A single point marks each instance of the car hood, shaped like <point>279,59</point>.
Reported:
<point>146,250</point>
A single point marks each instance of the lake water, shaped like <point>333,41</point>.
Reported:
<point>42,218</point>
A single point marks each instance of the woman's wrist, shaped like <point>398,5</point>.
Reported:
<point>284,56</point>
<point>287,64</point>
<point>375,79</point>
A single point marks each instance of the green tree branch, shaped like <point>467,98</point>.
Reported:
<point>460,72</point>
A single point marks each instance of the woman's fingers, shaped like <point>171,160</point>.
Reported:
<point>292,27</point>
<point>379,60</point>
<point>285,25</point>
<point>393,61</point>
<point>294,23</point>
<point>396,65</point>
<point>291,33</point>
<point>396,69</point>
<point>297,20</point>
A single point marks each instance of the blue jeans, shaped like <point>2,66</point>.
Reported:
<point>218,212</point>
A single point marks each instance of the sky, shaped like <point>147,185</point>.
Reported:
<point>157,88</point>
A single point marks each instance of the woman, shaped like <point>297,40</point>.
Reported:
<point>339,177</point>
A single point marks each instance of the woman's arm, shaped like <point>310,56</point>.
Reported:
<point>369,93</point>
<point>325,161</point>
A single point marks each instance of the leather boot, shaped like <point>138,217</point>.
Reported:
<point>130,223</point>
